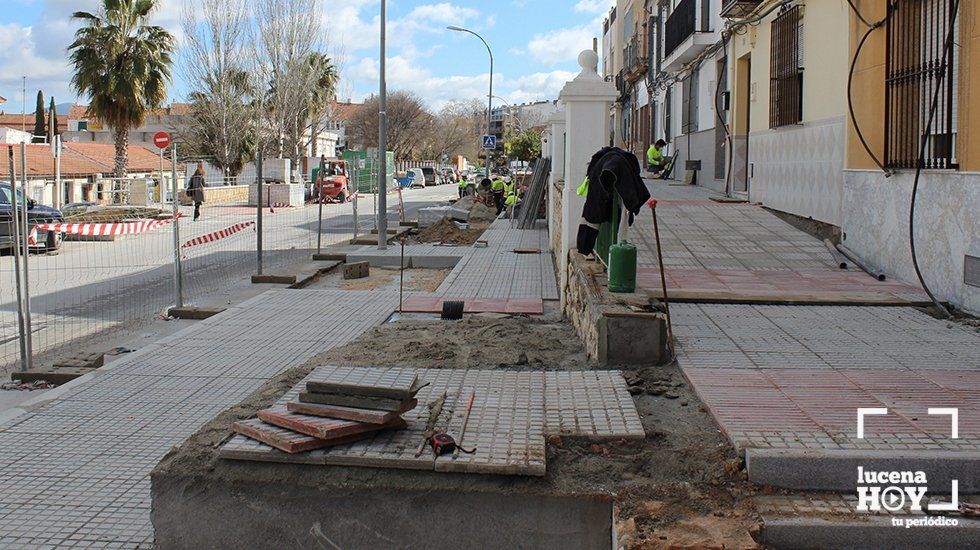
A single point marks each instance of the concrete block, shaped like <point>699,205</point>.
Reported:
<point>459,214</point>
<point>836,469</point>
<point>83,360</point>
<point>357,270</point>
<point>432,215</point>
<point>330,257</point>
<point>866,532</point>
<point>194,313</point>
<point>53,375</point>
<point>274,279</point>
<point>632,338</point>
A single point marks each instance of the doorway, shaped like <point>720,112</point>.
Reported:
<point>742,124</point>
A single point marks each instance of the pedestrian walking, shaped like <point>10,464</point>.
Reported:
<point>195,189</point>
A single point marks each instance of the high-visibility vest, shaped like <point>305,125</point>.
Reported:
<point>462,182</point>
<point>654,155</point>
<point>497,185</point>
<point>509,188</point>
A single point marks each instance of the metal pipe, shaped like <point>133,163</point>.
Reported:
<point>383,138</point>
<point>25,231</point>
<point>850,255</point>
<point>839,258</point>
<point>15,229</point>
<point>178,267</point>
<point>490,95</point>
<point>258,213</point>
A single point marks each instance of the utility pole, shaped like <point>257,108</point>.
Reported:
<point>382,211</point>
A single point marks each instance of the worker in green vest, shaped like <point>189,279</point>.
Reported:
<point>463,185</point>
<point>497,187</point>
<point>513,199</point>
<point>655,156</point>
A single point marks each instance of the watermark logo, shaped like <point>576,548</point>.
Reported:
<point>894,491</point>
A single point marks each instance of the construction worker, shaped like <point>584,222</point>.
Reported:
<point>497,187</point>
<point>513,198</point>
<point>463,185</point>
<point>655,156</point>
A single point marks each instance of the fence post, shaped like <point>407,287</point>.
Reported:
<point>319,198</point>
<point>258,213</point>
<point>178,268</point>
<point>357,191</point>
<point>25,359</point>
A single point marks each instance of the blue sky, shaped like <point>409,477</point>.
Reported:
<point>535,44</point>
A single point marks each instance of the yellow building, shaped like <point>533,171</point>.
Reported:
<point>788,70</point>
<point>898,78</point>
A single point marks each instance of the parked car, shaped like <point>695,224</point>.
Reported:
<point>36,214</point>
<point>430,176</point>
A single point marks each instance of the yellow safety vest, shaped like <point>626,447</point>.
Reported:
<point>654,155</point>
<point>498,185</point>
<point>583,190</point>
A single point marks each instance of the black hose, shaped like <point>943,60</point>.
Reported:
<point>947,48</point>
<point>721,119</point>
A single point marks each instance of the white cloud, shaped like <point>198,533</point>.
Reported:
<point>594,6</point>
<point>562,45</point>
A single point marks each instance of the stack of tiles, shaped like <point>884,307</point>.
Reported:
<point>335,412</point>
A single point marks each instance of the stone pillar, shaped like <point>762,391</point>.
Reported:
<point>587,101</point>
<point>556,152</point>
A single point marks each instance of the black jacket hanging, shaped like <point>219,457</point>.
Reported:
<point>610,169</point>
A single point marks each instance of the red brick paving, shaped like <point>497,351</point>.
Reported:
<point>745,281</point>
<point>826,400</point>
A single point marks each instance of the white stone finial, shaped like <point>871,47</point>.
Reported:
<point>589,61</point>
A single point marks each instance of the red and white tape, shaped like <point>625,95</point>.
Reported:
<point>217,235</point>
<point>99,229</point>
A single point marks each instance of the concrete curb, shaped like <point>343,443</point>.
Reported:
<point>874,532</point>
<point>836,470</point>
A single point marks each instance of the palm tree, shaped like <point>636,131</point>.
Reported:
<point>123,65</point>
<point>324,89</point>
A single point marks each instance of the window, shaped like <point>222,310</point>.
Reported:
<point>917,33</point>
<point>689,111</point>
<point>786,69</point>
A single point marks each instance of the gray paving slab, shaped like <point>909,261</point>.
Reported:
<point>512,414</point>
<point>75,469</point>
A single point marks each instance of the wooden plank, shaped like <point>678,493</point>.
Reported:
<point>319,427</point>
<point>349,413</point>
<point>357,402</point>
<point>285,440</point>
<point>400,391</point>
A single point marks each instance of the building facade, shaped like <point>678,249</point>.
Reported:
<point>820,109</point>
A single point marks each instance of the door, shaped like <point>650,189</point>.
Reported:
<point>741,124</point>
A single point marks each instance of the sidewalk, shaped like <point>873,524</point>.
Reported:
<point>75,467</point>
<point>784,382</point>
<point>729,252</point>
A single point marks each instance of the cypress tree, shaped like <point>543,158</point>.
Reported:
<point>52,121</point>
<point>39,133</point>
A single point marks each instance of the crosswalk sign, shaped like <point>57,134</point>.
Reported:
<point>489,142</point>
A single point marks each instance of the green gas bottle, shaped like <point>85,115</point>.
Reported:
<point>622,267</point>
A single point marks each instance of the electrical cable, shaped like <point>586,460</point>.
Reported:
<point>947,48</point>
<point>850,81</point>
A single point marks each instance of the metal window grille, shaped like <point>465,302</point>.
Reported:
<point>785,69</point>
<point>916,38</point>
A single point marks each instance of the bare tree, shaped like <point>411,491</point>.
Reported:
<point>457,129</point>
<point>216,66</point>
<point>408,125</point>
<point>289,31</point>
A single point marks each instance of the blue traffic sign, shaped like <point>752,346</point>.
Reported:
<point>489,142</point>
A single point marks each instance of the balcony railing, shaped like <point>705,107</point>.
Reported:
<point>635,57</point>
<point>685,21</point>
<point>738,8</point>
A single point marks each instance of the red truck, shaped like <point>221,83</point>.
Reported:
<point>332,185</point>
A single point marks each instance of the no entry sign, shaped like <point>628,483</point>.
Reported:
<point>161,140</point>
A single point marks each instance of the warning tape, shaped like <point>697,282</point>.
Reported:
<point>217,235</point>
<point>99,229</point>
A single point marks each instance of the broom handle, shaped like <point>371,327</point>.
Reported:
<point>466,421</point>
<point>652,203</point>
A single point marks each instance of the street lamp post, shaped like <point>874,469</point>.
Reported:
<point>490,95</point>
<point>382,212</point>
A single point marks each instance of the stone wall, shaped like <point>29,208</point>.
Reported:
<point>875,218</point>
<point>613,333</point>
<point>220,195</point>
<point>554,221</point>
